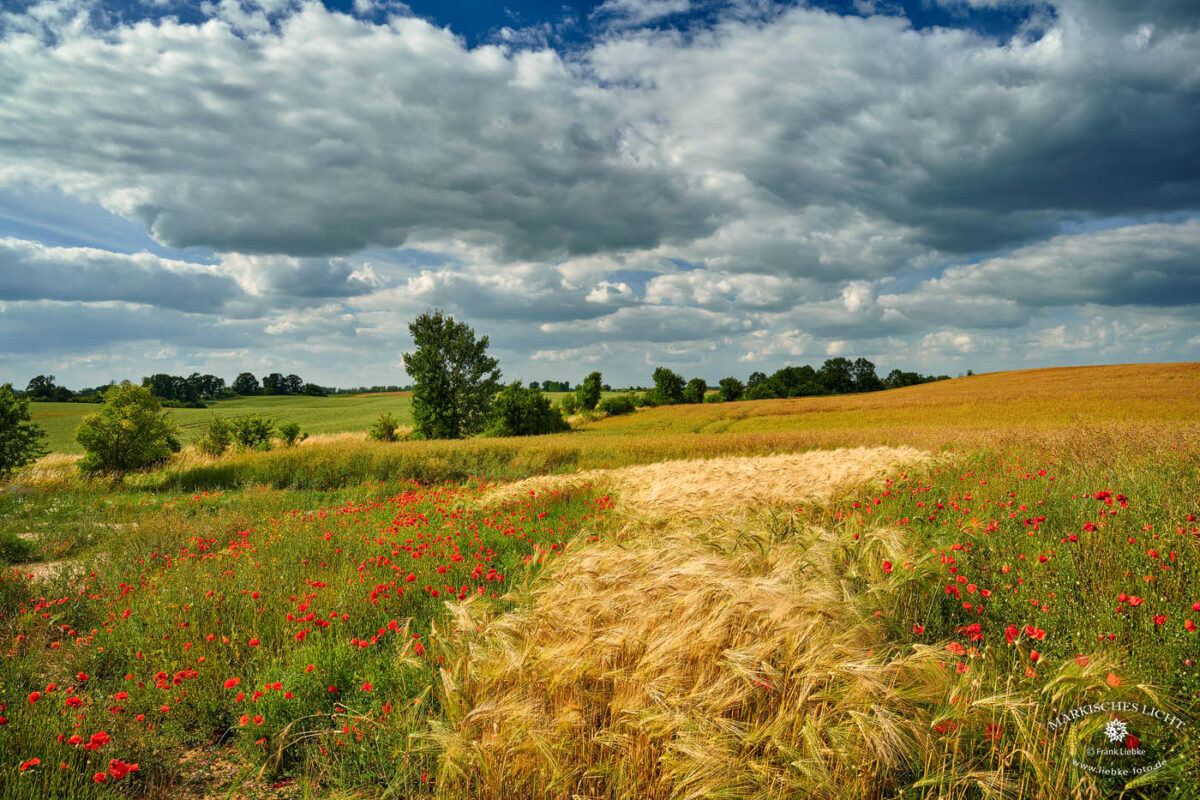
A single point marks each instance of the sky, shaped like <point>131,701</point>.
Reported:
<point>717,187</point>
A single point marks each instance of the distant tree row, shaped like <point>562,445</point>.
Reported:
<point>179,390</point>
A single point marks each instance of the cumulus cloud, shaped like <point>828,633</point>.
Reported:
<point>322,134</point>
<point>750,185</point>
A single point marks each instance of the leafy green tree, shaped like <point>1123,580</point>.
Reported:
<point>668,387</point>
<point>589,393</point>
<point>246,384</point>
<point>253,432</point>
<point>293,384</point>
<point>384,429</point>
<point>521,411</point>
<point>695,390</point>
<point>274,383</point>
<point>569,404</point>
<point>454,379</point>
<point>755,379</point>
<point>218,435</point>
<point>20,439</point>
<point>129,432</point>
<point>862,372</point>
<point>836,376</point>
<point>731,389</point>
<point>41,387</point>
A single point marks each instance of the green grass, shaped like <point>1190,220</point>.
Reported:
<point>335,414</point>
<point>313,603</point>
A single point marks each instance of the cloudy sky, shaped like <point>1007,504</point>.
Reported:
<point>721,187</point>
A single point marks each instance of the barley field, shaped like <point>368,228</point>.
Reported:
<point>878,596</point>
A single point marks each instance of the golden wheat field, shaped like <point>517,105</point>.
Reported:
<point>902,594</point>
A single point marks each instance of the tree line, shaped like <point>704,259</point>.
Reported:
<point>177,390</point>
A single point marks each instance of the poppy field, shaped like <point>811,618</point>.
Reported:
<point>914,608</point>
<point>234,632</point>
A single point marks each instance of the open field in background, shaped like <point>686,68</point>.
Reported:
<point>901,619</point>
<point>316,415</point>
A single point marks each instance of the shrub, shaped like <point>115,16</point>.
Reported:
<point>715,397</point>
<point>616,406</point>
<point>589,393</point>
<point>569,404</point>
<point>384,429</point>
<point>129,432</point>
<point>646,400</point>
<point>520,411</point>
<point>216,439</point>
<point>254,432</point>
<point>20,439</point>
<point>290,433</point>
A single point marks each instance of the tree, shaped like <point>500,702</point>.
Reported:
<point>130,431</point>
<point>863,374</point>
<point>41,387</point>
<point>293,384</point>
<point>589,393</point>
<point>668,387</point>
<point>731,389</point>
<point>835,376</point>
<point>313,390</point>
<point>520,411</point>
<point>274,383</point>
<point>245,384</point>
<point>454,379</point>
<point>20,440</point>
<point>755,379</point>
<point>695,390</point>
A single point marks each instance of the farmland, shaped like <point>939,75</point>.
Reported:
<point>850,597</point>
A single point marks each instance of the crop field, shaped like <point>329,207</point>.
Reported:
<point>315,415</point>
<point>890,595</point>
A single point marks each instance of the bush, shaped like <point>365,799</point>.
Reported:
<point>129,432</point>
<point>384,429</point>
<point>589,393</point>
<point>290,433</point>
<point>646,400</point>
<point>20,439</point>
<point>520,411</point>
<point>569,404</point>
<point>216,439</point>
<point>616,406</point>
<point>254,432</point>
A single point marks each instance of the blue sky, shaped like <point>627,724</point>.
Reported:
<point>721,187</point>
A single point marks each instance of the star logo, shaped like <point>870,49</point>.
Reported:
<point>1116,731</point>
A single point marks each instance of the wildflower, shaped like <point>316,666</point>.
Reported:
<point>232,682</point>
<point>33,762</point>
<point>34,697</point>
